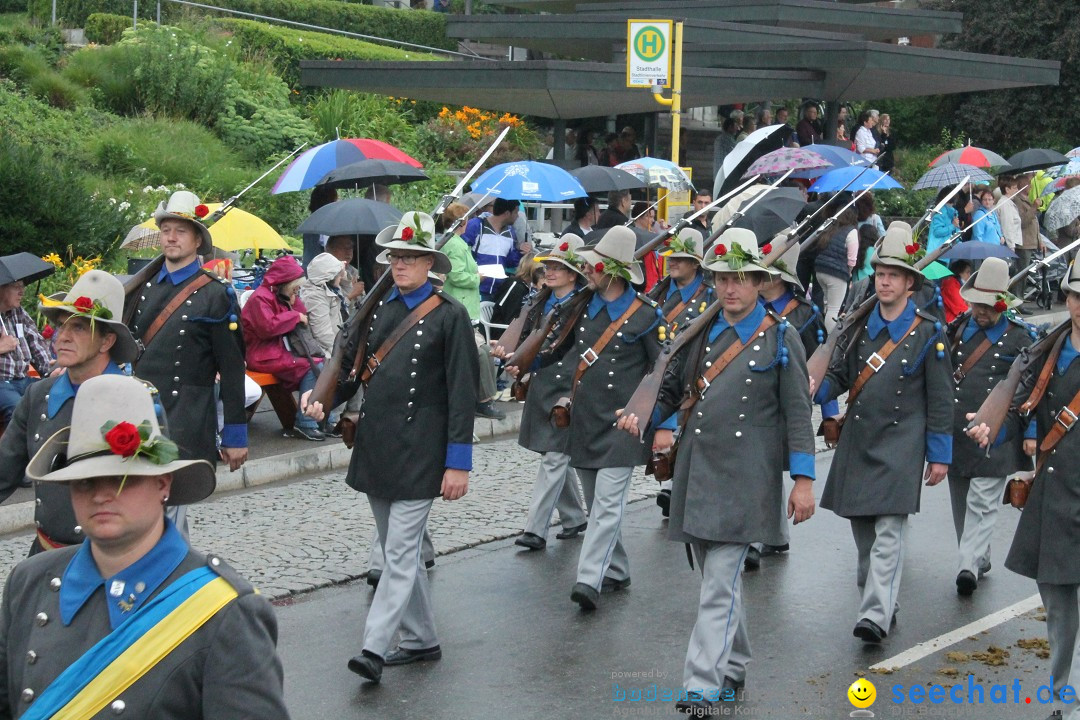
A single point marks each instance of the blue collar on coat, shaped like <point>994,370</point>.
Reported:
<point>62,390</point>
<point>413,298</point>
<point>744,328</point>
<point>993,334</point>
<point>778,305</point>
<point>896,327</point>
<point>685,293</point>
<point>615,308</point>
<point>131,586</point>
<point>178,276</point>
<point>1067,355</point>
<point>552,301</point>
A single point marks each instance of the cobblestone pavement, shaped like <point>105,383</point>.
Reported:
<point>310,533</point>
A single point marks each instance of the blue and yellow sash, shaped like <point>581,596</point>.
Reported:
<point>123,656</point>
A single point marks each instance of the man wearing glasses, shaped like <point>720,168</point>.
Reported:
<point>413,442</point>
<point>90,339</point>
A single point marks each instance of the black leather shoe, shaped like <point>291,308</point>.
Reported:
<point>585,596</point>
<point>428,564</point>
<point>664,501</point>
<point>966,582</point>
<point>367,665</point>
<point>531,541</point>
<point>753,559</point>
<point>373,578</point>
<point>733,684</point>
<point>405,656</point>
<point>774,549</point>
<point>571,532</point>
<point>611,585</point>
<point>868,631</point>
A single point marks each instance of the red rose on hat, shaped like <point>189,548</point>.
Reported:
<point>123,439</point>
<point>201,211</point>
<point>407,234</point>
<point>599,267</point>
<point>767,249</point>
<point>564,247</point>
<point>720,249</point>
<point>1001,306</point>
<point>667,243</point>
<point>911,249</point>
<point>47,332</point>
<point>83,304</point>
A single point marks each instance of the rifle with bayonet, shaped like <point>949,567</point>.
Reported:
<point>848,327</point>
<point>133,286</point>
<point>353,337</point>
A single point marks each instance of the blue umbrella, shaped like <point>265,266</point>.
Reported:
<point>839,178</point>
<point>838,157</point>
<point>974,250</point>
<point>529,180</point>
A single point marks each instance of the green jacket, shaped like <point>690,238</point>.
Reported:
<point>463,280</point>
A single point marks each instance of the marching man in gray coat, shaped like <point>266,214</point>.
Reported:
<point>985,341</point>
<point>556,484</point>
<point>1046,546</point>
<point>900,408</point>
<point>741,380</point>
<point>413,436</point>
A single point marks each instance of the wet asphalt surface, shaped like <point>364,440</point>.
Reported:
<point>515,646</point>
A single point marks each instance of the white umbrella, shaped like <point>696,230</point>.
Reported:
<point>740,157</point>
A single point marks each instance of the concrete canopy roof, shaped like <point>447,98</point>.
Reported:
<point>602,37</point>
<point>865,70</point>
<point>554,89</point>
<point>871,21</point>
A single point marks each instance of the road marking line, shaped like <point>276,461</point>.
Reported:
<point>930,647</point>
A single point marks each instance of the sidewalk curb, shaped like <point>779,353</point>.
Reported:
<point>262,471</point>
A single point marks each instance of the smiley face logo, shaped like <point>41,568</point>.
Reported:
<point>862,693</point>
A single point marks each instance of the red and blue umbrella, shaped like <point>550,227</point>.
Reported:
<point>970,155</point>
<point>306,171</point>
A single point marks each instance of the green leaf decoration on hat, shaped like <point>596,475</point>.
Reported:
<point>129,441</point>
<point>738,257</point>
<point>678,245</point>
<point>415,234</point>
<point>614,268</point>
<point>782,267</point>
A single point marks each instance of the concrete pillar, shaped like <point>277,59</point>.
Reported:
<point>558,141</point>
<point>832,116</point>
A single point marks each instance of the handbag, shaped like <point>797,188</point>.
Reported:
<point>1017,490</point>
<point>301,342</point>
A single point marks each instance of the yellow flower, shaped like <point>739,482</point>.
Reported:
<point>54,260</point>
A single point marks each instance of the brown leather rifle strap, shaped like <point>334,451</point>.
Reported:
<point>961,372</point>
<point>587,362</point>
<point>682,305</point>
<point>705,380</point>
<point>877,361</point>
<point>1039,390</point>
<point>189,290</point>
<point>418,313</point>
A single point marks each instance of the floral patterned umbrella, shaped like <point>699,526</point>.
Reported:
<point>780,161</point>
<point>656,172</point>
<point>1074,153</point>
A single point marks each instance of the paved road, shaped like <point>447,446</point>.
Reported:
<point>516,647</point>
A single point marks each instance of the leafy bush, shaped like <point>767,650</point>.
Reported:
<point>28,120</point>
<point>16,28</point>
<point>458,137</point>
<point>106,29</point>
<point>45,206</point>
<point>342,113</point>
<point>73,13</point>
<point>29,68</point>
<point>286,47</point>
<point>22,64</point>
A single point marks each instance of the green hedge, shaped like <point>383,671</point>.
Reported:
<point>286,47</point>
<point>416,26</point>
<point>106,29</point>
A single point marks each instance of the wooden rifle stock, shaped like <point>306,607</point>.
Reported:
<point>996,406</point>
<point>566,316</point>
<point>511,336</point>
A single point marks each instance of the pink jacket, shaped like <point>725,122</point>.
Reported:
<point>267,318</point>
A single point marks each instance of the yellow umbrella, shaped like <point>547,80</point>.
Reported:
<point>236,230</point>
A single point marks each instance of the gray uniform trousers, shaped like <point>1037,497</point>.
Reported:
<point>975,503</point>
<point>881,544</point>
<point>556,487</point>
<point>719,645</point>
<point>377,559</point>
<point>403,599</point>
<point>1062,603</point>
<point>602,552</point>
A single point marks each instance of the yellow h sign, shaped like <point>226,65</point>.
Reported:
<point>648,53</point>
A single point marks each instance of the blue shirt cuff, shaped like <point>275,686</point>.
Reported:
<point>234,436</point>
<point>939,448</point>
<point>830,408</point>
<point>1031,432</point>
<point>1001,437</point>
<point>822,395</point>
<point>459,456</point>
<point>672,423</point>
<point>800,463</point>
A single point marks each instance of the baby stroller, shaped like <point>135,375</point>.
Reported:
<point>1043,282</point>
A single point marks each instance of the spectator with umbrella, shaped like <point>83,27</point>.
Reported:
<point>836,256</point>
<point>21,345</point>
<point>586,213</point>
<point>944,224</point>
<point>987,230</point>
<point>809,130</point>
<point>1008,216</point>
<point>617,211</point>
<point>493,242</point>
<point>314,243</point>
<point>950,289</point>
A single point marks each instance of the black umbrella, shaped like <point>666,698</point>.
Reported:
<point>742,156</point>
<point>24,266</point>
<point>1034,159</point>
<point>372,172</point>
<point>773,213</point>
<point>602,179</point>
<point>355,216</point>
